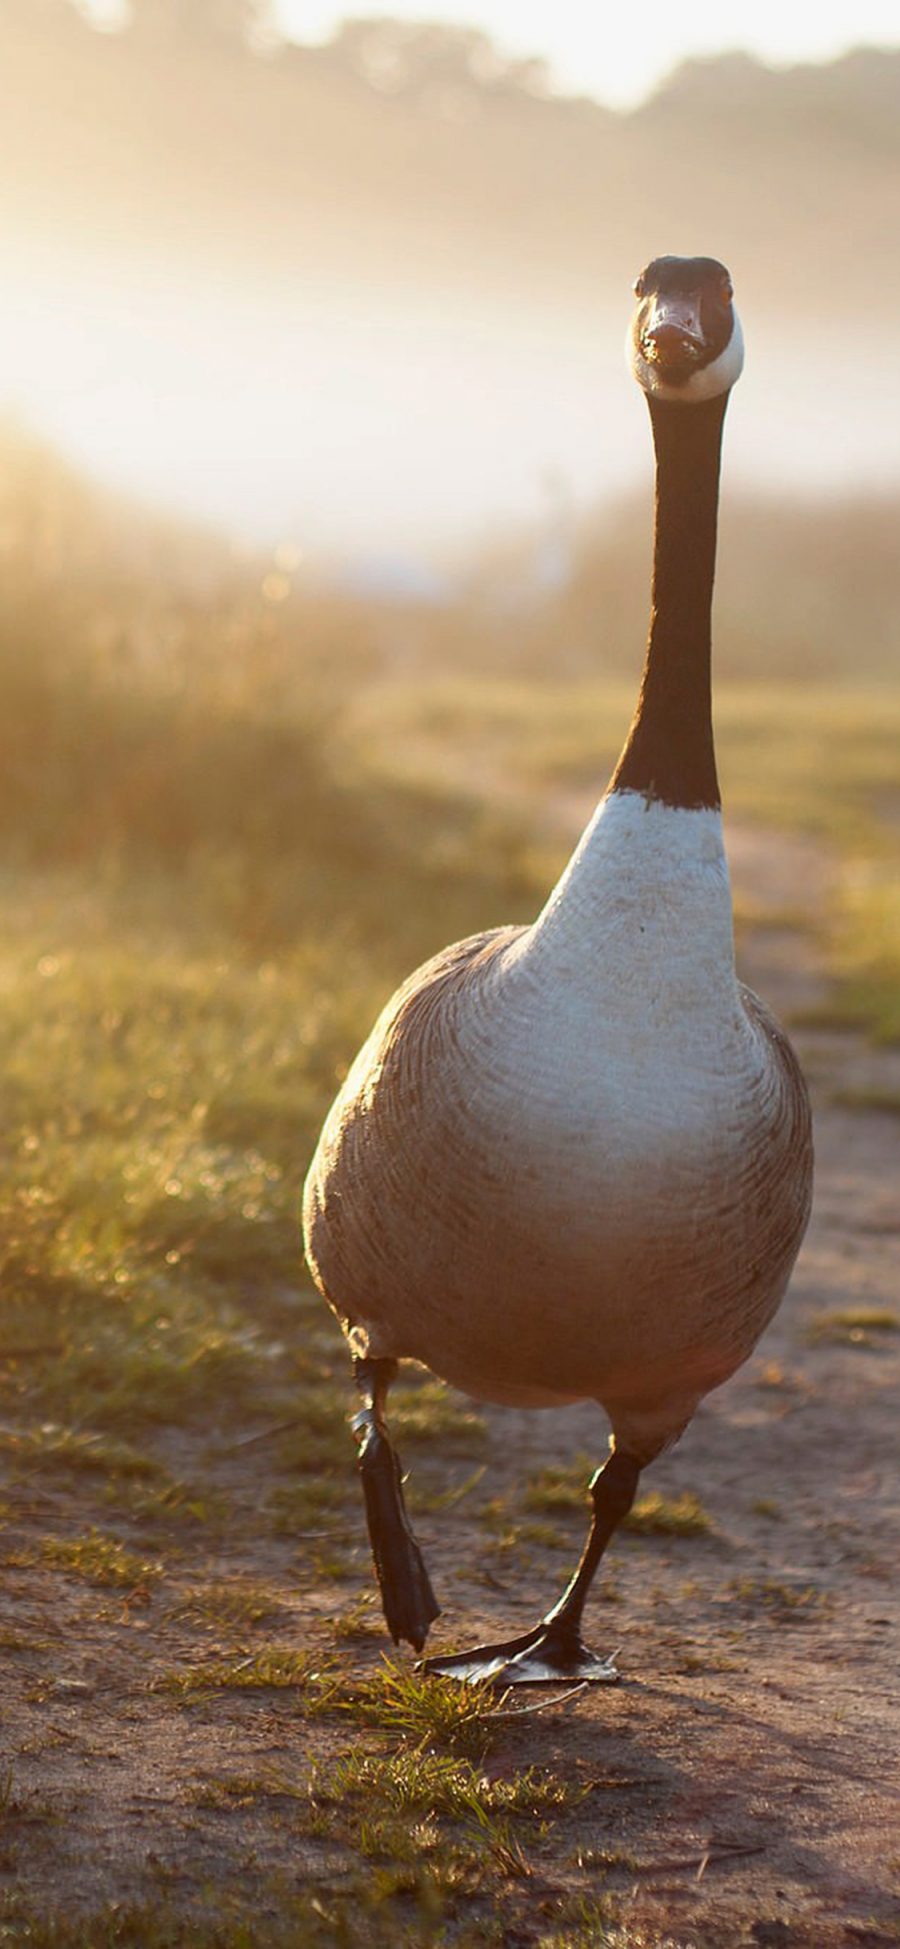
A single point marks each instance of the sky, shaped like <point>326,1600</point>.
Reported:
<point>619,52</point>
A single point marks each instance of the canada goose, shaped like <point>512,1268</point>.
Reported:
<point>574,1160</point>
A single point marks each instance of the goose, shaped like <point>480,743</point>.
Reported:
<point>573,1161</point>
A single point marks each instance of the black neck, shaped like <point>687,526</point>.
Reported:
<point>669,750</point>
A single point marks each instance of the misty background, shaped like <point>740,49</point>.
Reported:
<point>367,301</point>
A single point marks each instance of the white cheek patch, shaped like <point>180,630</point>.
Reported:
<point>706,383</point>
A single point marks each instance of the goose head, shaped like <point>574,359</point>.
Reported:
<point>684,340</point>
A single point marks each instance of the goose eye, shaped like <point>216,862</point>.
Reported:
<point>726,291</point>
<point>638,287</point>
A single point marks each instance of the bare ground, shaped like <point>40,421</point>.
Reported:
<point>743,1780</point>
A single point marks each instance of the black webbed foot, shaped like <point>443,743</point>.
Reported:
<point>544,1656</point>
<point>407,1598</point>
<point>554,1652</point>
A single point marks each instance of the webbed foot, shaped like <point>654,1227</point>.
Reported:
<point>548,1655</point>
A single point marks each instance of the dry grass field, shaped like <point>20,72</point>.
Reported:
<point>226,831</point>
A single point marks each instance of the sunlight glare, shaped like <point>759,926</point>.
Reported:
<point>106,15</point>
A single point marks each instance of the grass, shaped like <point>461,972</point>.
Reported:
<point>49,1447</point>
<point>276,1668</point>
<point>295,1507</point>
<point>562,1488</point>
<point>425,1820</point>
<point>368,1914</point>
<point>446,1830</point>
<point>831,749</point>
<point>460,1719</point>
<point>797,1603</point>
<point>360,1622</point>
<point>412,1781</point>
<point>98,1559</point>
<point>215,864</point>
<point>348,1921</point>
<point>853,1326</point>
<point>223,1604</point>
<point>425,1411</point>
<point>233,1790</point>
<point>654,1514</point>
<point>424,1713</point>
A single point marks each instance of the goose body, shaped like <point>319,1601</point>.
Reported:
<point>569,1150</point>
<point>573,1160</point>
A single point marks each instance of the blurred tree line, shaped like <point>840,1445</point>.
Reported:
<point>405,57</point>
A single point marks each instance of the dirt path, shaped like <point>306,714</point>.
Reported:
<point>743,1779</point>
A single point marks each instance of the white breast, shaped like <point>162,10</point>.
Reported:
<point>632,958</point>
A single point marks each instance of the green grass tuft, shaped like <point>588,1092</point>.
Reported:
<point>658,1515</point>
<point>221,1604</point>
<point>789,1601</point>
<point>426,1710</point>
<point>561,1486</point>
<point>426,1411</point>
<point>559,1489</point>
<point>272,1669</point>
<point>853,1326</point>
<point>416,1781</point>
<point>99,1559</point>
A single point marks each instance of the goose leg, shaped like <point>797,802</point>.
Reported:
<point>407,1598</point>
<point>554,1651</point>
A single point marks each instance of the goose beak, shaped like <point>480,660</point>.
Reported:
<point>672,336</point>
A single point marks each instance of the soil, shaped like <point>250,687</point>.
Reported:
<point>744,1776</point>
